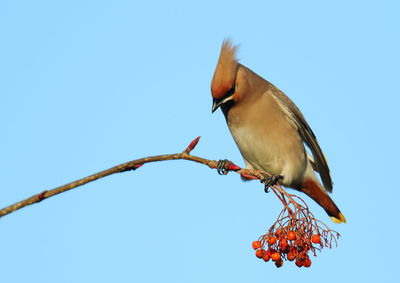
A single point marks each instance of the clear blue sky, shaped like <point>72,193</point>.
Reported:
<point>86,85</point>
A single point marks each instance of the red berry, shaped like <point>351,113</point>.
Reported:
<point>283,244</point>
<point>260,253</point>
<point>266,257</point>
<point>291,256</point>
<point>316,239</point>
<point>279,263</point>
<point>299,262</point>
<point>272,240</point>
<point>307,262</point>
<point>291,236</point>
<point>275,256</point>
<point>256,245</point>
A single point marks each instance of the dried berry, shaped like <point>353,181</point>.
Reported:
<point>279,263</point>
<point>285,250</point>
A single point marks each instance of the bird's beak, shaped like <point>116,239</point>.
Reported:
<point>217,102</point>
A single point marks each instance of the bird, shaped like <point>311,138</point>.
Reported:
<point>270,130</point>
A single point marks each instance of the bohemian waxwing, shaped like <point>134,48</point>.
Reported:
<point>270,131</point>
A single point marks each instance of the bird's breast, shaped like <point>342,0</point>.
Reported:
<point>269,142</point>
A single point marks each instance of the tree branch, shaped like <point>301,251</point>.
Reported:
<point>128,166</point>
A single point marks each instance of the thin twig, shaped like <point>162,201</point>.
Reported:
<point>128,166</point>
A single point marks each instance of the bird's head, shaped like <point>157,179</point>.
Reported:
<point>224,82</point>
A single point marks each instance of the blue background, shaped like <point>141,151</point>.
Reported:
<point>86,85</point>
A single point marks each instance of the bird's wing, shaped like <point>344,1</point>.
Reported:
<point>294,114</point>
<point>311,159</point>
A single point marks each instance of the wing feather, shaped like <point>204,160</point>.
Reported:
<point>307,136</point>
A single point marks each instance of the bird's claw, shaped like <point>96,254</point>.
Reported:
<point>221,166</point>
<point>271,181</point>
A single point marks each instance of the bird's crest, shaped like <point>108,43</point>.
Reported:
<point>225,72</point>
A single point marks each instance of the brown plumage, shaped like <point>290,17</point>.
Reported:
<point>270,130</point>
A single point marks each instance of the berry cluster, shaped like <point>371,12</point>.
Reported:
<point>295,233</point>
<point>285,244</point>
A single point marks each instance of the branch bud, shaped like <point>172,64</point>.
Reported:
<point>192,145</point>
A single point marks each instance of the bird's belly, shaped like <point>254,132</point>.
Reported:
<point>275,153</point>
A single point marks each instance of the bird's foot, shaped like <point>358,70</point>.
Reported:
<point>222,166</point>
<point>271,181</point>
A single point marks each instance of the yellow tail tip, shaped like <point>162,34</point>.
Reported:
<point>341,219</point>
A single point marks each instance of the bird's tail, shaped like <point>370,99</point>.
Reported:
<point>314,190</point>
